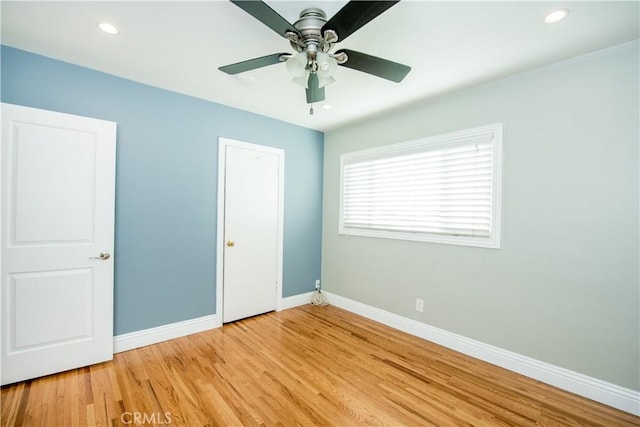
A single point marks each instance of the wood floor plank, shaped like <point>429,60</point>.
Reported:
<point>304,366</point>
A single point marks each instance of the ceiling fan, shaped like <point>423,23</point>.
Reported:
<point>312,37</point>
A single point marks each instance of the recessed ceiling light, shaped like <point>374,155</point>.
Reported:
<point>327,106</point>
<point>108,28</point>
<point>556,16</point>
<point>247,78</point>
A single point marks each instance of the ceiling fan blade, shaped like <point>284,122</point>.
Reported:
<point>315,93</point>
<point>355,15</point>
<point>376,66</point>
<point>269,17</point>
<point>252,64</point>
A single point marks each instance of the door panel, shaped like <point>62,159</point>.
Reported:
<point>55,177</point>
<point>58,187</point>
<point>56,321</point>
<point>251,231</point>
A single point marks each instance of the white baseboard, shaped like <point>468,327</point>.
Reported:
<point>296,300</point>
<point>150,336</point>
<point>601,391</point>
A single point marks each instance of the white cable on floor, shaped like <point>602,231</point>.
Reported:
<point>318,299</point>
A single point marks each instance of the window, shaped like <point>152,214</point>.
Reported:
<point>443,189</point>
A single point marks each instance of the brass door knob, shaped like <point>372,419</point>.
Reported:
<point>231,243</point>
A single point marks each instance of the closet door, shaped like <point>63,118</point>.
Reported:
<point>252,229</point>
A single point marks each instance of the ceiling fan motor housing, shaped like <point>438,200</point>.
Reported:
<point>310,25</point>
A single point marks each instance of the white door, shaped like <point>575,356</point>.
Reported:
<point>57,217</point>
<point>253,202</point>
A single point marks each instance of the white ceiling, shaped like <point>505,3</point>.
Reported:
<point>449,45</point>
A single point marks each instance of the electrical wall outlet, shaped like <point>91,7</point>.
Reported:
<point>317,284</point>
<point>419,305</point>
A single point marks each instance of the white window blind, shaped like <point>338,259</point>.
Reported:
<point>439,189</point>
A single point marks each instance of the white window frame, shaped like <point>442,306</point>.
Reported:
<point>427,144</point>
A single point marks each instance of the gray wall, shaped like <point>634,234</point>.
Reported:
<point>166,184</point>
<point>563,288</point>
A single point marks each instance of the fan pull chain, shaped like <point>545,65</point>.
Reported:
<point>311,110</point>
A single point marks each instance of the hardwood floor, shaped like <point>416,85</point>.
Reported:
<point>303,366</point>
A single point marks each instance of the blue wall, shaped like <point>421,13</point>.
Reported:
<point>166,184</point>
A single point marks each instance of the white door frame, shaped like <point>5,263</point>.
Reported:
<point>223,143</point>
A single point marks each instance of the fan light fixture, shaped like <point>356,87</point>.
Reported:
<point>327,66</point>
<point>297,67</point>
